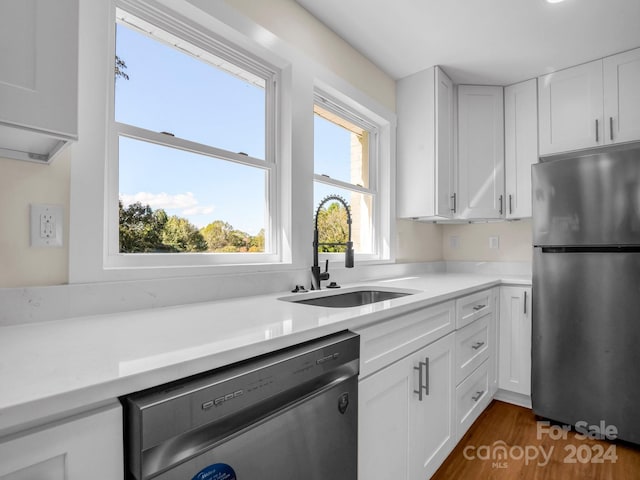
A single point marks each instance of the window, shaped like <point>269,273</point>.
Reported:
<point>345,154</point>
<point>194,123</point>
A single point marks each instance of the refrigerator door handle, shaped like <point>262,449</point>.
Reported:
<point>597,136</point>
<point>525,302</point>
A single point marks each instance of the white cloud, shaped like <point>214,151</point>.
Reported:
<point>199,210</point>
<point>186,203</point>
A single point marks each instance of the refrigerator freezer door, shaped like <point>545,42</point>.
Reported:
<point>590,200</point>
<point>586,339</point>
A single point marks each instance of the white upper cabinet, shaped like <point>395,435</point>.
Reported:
<point>571,109</point>
<point>521,146</point>
<point>38,77</point>
<point>480,152</point>
<point>425,161</point>
<point>591,105</point>
<point>622,97</point>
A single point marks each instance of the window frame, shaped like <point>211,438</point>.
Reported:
<point>357,117</point>
<point>235,55</point>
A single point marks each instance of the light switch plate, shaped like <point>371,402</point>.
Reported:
<point>494,242</point>
<point>46,225</point>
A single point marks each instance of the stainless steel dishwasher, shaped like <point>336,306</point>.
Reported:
<point>288,415</point>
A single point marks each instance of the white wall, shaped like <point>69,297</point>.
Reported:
<point>21,184</point>
<point>418,241</point>
<point>293,24</point>
<point>473,242</point>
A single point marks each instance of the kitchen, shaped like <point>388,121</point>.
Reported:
<point>41,284</point>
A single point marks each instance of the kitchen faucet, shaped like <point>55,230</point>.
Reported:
<point>316,275</point>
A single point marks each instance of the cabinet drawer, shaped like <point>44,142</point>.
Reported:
<point>472,396</point>
<point>472,347</point>
<point>386,342</point>
<point>472,307</point>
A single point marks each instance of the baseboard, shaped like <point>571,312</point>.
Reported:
<point>514,398</point>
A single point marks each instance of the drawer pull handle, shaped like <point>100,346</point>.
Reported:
<point>477,345</point>
<point>422,367</point>
<point>477,396</point>
<point>479,307</point>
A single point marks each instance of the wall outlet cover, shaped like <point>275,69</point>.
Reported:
<point>47,223</point>
<point>494,242</point>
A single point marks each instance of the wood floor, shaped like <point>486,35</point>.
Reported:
<point>532,458</point>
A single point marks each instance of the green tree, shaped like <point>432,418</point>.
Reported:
<point>240,240</point>
<point>120,68</point>
<point>216,234</point>
<point>332,227</point>
<point>140,228</point>
<point>180,235</point>
<point>256,243</point>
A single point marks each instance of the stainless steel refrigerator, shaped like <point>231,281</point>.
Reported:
<point>586,291</point>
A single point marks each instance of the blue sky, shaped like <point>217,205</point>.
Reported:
<point>170,91</point>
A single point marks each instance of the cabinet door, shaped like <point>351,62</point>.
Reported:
<point>425,145</point>
<point>400,435</point>
<point>87,446</point>
<point>570,109</point>
<point>622,97</point>
<point>515,340</point>
<point>39,58</point>
<point>445,188</point>
<point>521,145</point>
<point>480,152</point>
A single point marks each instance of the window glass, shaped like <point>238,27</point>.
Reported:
<point>194,174</point>
<point>332,225</point>
<point>177,90</point>
<point>176,201</point>
<point>341,149</point>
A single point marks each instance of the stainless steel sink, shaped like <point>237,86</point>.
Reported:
<point>350,298</point>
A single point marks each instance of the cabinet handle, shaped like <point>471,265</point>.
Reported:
<point>510,205</point>
<point>597,136</point>
<point>476,346</point>
<point>500,199</point>
<point>478,307</point>
<point>525,302</point>
<point>453,197</point>
<point>422,386</point>
<point>477,396</point>
<point>611,128</point>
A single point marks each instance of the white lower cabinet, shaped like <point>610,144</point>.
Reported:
<point>515,340</point>
<point>423,383</point>
<point>475,357</point>
<point>83,447</point>
<point>406,427</point>
<point>472,397</point>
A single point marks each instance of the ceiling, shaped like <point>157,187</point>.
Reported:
<point>492,42</point>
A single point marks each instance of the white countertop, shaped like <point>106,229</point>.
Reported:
<point>50,368</point>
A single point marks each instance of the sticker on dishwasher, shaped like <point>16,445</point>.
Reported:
<point>217,471</point>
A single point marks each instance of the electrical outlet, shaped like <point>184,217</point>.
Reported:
<point>454,242</point>
<point>494,242</point>
<point>46,225</point>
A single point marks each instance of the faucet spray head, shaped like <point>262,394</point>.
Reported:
<point>348,256</point>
